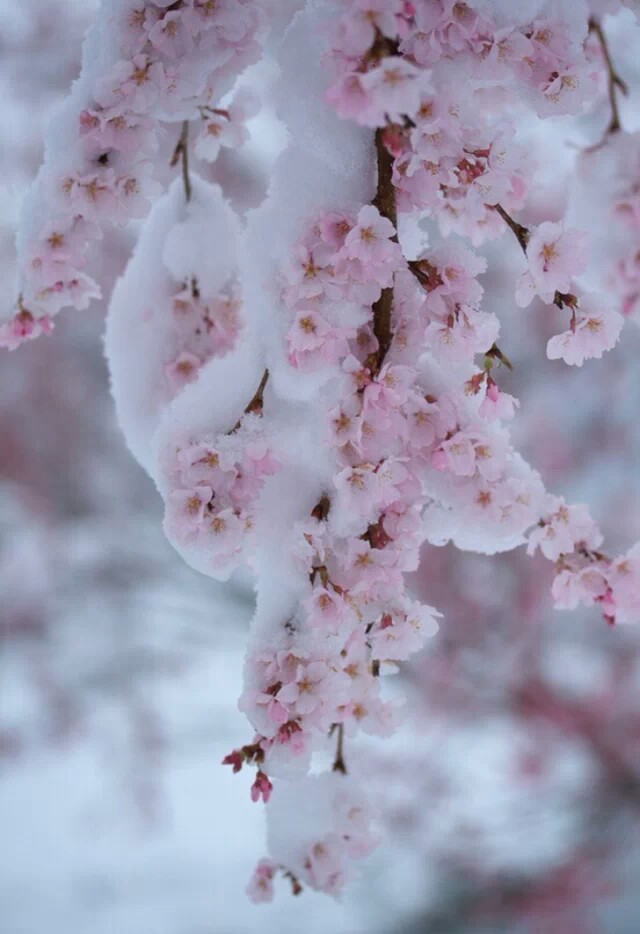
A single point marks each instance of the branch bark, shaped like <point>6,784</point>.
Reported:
<point>339,763</point>
<point>182,152</point>
<point>614,81</point>
<point>385,201</point>
<point>255,406</point>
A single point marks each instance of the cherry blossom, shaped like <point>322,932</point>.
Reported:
<point>161,66</point>
<point>562,531</point>
<point>260,889</point>
<point>225,127</point>
<point>595,330</point>
<point>555,256</point>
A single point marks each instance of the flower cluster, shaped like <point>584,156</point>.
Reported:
<point>543,57</point>
<point>214,485</point>
<point>594,328</point>
<point>457,330</point>
<point>585,576</point>
<point>168,62</point>
<point>225,127</point>
<point>339,270</point>
<point>353,618</point>
<point>327,839</point>
<point>393,67</point>
<point>555,255</point>
<point>202,328</point>
<point>403,432</point>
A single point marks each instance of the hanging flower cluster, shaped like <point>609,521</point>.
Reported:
<point>145,64</point>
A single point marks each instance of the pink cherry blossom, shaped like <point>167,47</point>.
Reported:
<point>370,239</point>
<point>184,368</point>
<point>624,580</point>
<point>23,327</point>
<point>359,29</point>
<point>555,255</point>
<point>261,787</point>
<point>595,330</point>
<point>187,511</point>
<point>308,689</point>
<point>312,340</point>
<point>584,585</point>
<point>563,530</point>
<point>260,888</point>
<point>226,127</point>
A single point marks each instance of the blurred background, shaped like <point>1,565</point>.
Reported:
<point>510,800</point>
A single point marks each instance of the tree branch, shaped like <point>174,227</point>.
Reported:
<point>520,232</point>
<point>338,762</point>
<point>182,152</point>
<point>614,82</point>
<point>256,404</point>
<point>385,201</point>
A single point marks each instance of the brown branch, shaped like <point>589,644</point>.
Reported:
<point>256,404</point>
<point>614,82</point>
<point>385,201</point>
<point>182,152</point>
<point>520,232</point>
<point>321,510</point>
<point>338,762</point>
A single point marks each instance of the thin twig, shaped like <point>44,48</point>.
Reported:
<point>614,82</point>
<point>520,232</point>
<point>256,404</point>
<point>338,762</point>
<point>182,152</point>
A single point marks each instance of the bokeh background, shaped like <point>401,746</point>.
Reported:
<point>510,800</point>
